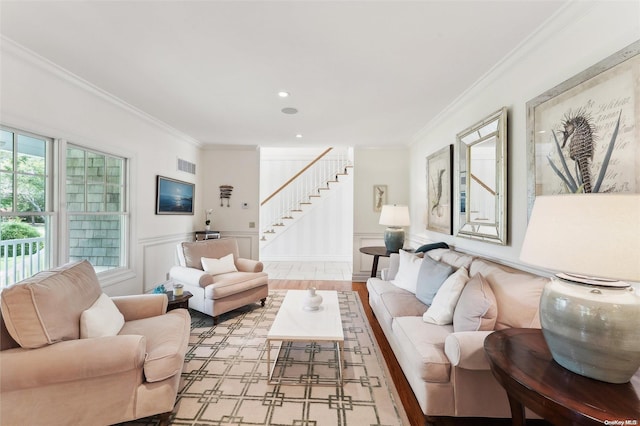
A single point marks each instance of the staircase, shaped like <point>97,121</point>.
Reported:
<point>298,196</point>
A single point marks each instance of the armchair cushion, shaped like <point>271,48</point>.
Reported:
<point>46,308</point>
<point>102,319</point>
<point>166,338</point>
<point>219,266</point>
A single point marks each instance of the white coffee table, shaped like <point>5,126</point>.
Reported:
<point>294,324</point>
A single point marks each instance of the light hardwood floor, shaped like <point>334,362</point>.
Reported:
<point>408,399</point>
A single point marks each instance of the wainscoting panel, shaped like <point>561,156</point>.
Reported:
<point>362,263</point>
<point>158,256</point>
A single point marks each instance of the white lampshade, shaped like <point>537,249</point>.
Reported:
<point>393,215</point>
<point>595,235</point>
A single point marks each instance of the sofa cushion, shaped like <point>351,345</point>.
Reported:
<point>441,310</point>
<point>102,319</point>
<point>219,266</point>
<point>451,257</point>
<point>403,304</point>
<point>517,294</point>
<point>407,276</point>
<point>476,309</point>
<point>422,344</point>
<point>431,276</point>
<point>166,339</point>
<point>46,307</point>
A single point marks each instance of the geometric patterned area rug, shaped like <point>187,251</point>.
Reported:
<point>225,377</point>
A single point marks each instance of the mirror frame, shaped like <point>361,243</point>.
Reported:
<point>465,226</point>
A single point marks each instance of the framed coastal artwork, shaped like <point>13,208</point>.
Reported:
<point>174,196</point>
<point>379,197</point>
<point>439,212</point>
<point>584,134</point>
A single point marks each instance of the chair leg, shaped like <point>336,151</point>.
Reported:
<point>215,320</point>
<point>262,302</point>
<point>164,418</point>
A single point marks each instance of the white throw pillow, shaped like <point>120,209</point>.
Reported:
<point>407,276</point>
<point>102,319</point>
<point>219,266</point>
<point>444,303</point>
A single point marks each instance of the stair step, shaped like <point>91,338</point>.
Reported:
<point>298,210</point>
<point>323,189</point>
<point>314,196</point>
<point>304,202</point>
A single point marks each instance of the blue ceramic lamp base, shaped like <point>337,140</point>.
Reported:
<point>393,239</point>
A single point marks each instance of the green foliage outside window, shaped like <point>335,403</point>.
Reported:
<point>18,231</point>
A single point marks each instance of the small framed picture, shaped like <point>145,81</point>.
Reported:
<point>379,197</point>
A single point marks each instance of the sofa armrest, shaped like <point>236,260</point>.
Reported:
<point>190,276</point>
<point>70,360</point>
<point>248,265</point>
<point>140,306</point>
<point>465,349</point>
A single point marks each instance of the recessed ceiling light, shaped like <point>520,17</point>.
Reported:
<point>299,136</point>
<point>283,94</point>
<point>289,110</point>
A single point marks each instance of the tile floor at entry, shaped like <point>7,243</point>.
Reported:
<point>312,270</point>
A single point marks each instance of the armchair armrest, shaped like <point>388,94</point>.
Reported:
<point>70,360</point>
<point>190,276</point>
<point>248,265</point>
<point>465,349</point>
<point>141,305</point>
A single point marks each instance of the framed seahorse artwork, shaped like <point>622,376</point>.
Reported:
<point>584,134</point>
<point>439,213</point>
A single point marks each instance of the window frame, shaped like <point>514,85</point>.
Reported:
<point>125,270</point>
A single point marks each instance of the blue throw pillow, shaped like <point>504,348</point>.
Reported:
<point>430,277</point>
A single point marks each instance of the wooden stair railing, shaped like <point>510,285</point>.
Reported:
<point>287,183</point>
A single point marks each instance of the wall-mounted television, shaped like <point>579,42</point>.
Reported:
<point>174,196</point>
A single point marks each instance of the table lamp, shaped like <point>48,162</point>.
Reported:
<point>590,321</point>
<point>394,217</point>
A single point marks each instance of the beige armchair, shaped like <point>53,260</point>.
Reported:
<point>217,293</point>
<point>50,375</point>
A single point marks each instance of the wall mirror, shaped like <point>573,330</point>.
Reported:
<point>482,180</point>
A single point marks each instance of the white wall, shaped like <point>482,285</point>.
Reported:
<point>39,97</point>
<point>376,166</point>
<point>580,35</point>
<point>240,168</point>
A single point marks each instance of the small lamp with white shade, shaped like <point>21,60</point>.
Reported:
<point>394,217</point>
<point>590,321</point>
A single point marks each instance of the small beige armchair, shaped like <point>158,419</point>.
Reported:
<point>217,294</point>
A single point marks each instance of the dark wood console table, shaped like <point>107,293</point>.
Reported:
<point>521,362</point>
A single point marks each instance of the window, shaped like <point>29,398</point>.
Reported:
<point>25,212</point>
<point>97,217</point>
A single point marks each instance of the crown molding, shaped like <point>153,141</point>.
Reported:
<point>8,46</point>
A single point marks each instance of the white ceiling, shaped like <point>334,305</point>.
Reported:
<point>362,73</point>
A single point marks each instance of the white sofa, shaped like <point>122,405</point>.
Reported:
<point>448,371</point>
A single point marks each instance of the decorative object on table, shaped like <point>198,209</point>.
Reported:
<point>395,217</point>
<point>174,196</point>
<point>178,289</point>
<point>590,321</point>
<point>482,180</point>
<point>439,185</point>
<point>225,193</point>
<point>207,222</point>
<point>159,289</point>
<point>312,301</point>
<point>379,197</point>
<point>582,133</point>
